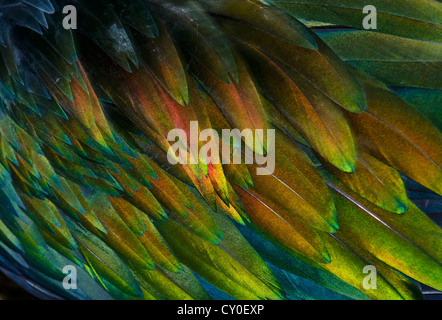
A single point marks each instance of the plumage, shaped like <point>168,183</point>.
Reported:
<point>87,179</point>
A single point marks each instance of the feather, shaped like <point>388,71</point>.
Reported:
<point>86,181</point>
<point>409,147</point>
<point>418,20</point>
<point>396,61</point>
